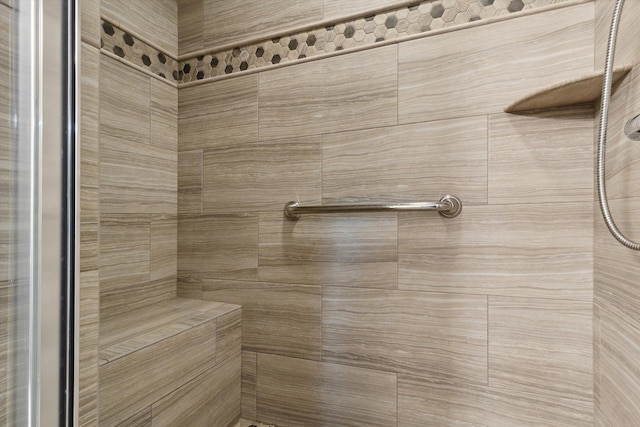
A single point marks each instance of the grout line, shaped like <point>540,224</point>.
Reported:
<point>488,297</point>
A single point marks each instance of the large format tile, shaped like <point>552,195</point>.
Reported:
<point>218,113</point>
<point>541,157</point>
<point>411,163</point>
<point>440,335</point>
<point>330,250</point>
<point>441,403</point>
<point>163,256</point>
<point>131,383</point>
<point>89,12</point>
<point>89,158</point>
<point>627,48</point>
<point>543,250</point>
<point>190,182</point>
<point>263,175</point>
<point>218,247</point>
<point>124,253</point>
<point>481,70</point>
<point>164,115</point>
<point>541,350</point>
<point>623,154</point>
<point>249,377</point>
<point>276,319</point>
<point>88,323</point>
<point>296,392</point>
<point>137,178</point>
<point>619,378</point>
<point>157,20</point>
<point>212,399</point>
<point>125,100</point>
<point>617,268</point>
<point>342,93</point>
<point>226,22</point>
<point>190,26</point>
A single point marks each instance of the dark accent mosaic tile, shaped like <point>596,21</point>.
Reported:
<point>419,18</point>
<point>135,51</point>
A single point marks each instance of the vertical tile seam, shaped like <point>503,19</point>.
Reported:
<point>488,159</point>
<point>488,331</point>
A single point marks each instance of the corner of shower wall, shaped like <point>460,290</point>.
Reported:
<point>616,337</point>
<point>134,333</point>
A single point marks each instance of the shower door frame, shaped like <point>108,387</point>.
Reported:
<point>45,253</point>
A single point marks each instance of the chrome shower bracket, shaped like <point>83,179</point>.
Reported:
<point>632,128</point>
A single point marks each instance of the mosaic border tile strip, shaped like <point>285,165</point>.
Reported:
<point>402,22</point>
<point>130,48</point>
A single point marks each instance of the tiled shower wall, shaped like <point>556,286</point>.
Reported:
<point>617,294</point>
<point>128,222</point>
<point>6,19</point>
<point>400,319</point>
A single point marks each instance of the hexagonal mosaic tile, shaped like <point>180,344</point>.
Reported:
<point>421,17</point>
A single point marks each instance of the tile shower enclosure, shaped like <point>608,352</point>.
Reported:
<point>202,118</point>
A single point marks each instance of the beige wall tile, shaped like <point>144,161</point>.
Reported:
<point>133,382</point>
<point>190,182</point>
<point>616,267</point>
<point>229,335</point>
<point>125,101</point>
<point>164,115</point>
<point>541,157</point>
<point>434,403</point>
<point>249,374</point>
<point>276,319</point>
<point>482,70</point>
<point>226,22</point>
<point>211,399</point>
<point>6,136</point>
<point>330,250</point>
<point>141,419</point>
<point>264,175</point>
<point>511,250</point>
<point>541,350</point>
<point>297,392</point>
<point>189,287</point>
<point>619,382</point>
<point>413,163</point>
<point>340,93</point>
<point>88,347</point>
<point>5,344</point>
<point>190,26</point>
<point>125,327</point>
<point>157,20</point>
<point>335,9</point>
<point>124,253</point>
<point>622,153</point>
<point>137,178</point>
<point>218,113</point>
<point>89,158</point>
<point>441,335</point>
<point>627,50</point>
<point>164,247</point>
<point>218,247</point>
<point>90,22</point>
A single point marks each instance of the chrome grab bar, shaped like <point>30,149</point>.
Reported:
<point>448,207</point>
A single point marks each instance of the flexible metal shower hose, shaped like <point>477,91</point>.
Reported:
<point>602,137</point>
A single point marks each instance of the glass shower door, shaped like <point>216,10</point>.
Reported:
<point>37,204</point>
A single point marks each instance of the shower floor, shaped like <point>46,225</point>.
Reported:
<point>245,423</point>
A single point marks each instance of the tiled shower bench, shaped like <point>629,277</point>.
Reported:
<point>176,362</point>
